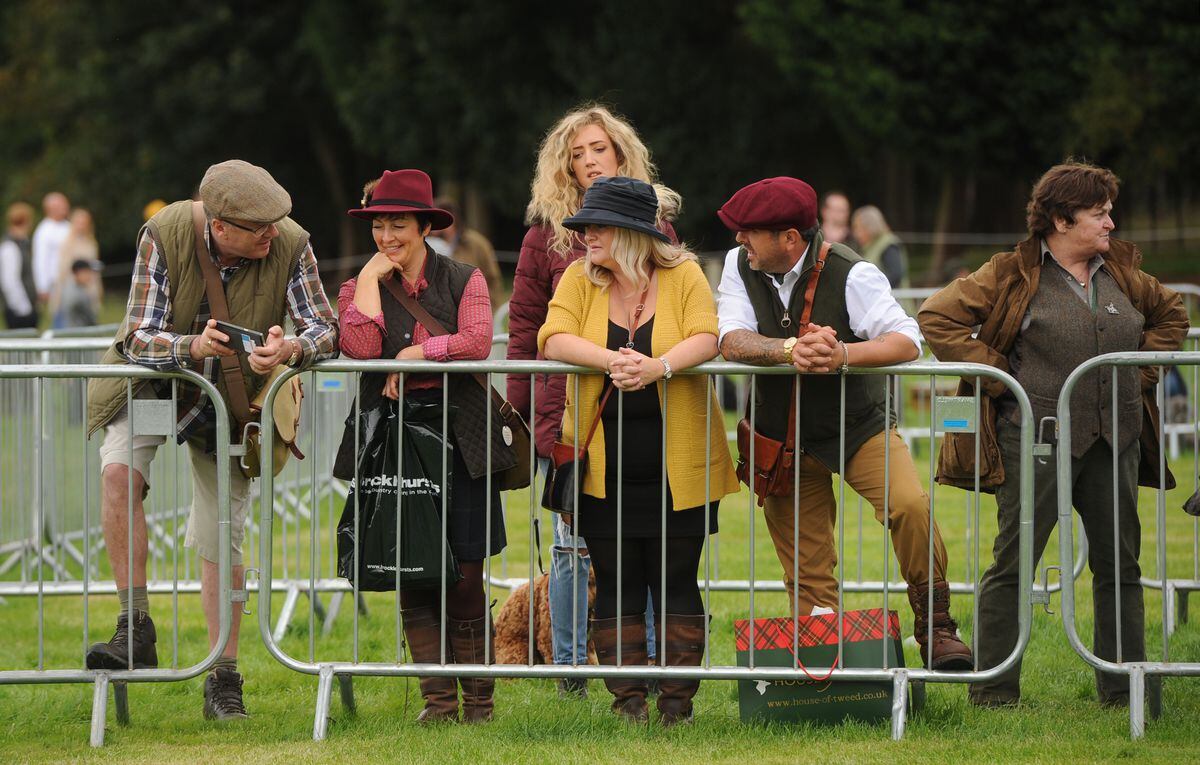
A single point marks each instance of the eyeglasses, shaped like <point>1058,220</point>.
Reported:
<point>257,232</point>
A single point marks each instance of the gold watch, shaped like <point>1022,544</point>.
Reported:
<point>788,345</point>
<point>295,357</point>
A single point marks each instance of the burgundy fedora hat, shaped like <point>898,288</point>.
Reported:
<point>404,191</point>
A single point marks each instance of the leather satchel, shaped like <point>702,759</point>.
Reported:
<point>774,467</point>
<point>513,431</point>
<point>286,410</point>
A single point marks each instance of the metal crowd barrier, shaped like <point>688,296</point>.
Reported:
<point>383,661</point>
<point>1137,671</point>
<point>44,569</point>
<point>58,434</point>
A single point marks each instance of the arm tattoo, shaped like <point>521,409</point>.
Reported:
<point>752,348</point>
<point>884,337</point>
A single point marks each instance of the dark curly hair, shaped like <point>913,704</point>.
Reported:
<point>1066,189</point>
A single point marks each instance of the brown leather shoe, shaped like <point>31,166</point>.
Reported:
<point>683,646</point>
<point>629,695</point>
<point>468,638</point>
<point>424,635</point>
<point>949,652</point>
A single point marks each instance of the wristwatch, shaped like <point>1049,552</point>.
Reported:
<point>788,345</point>
<point>294,359</point>
<point>666,368</point>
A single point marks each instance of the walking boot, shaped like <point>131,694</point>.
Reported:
<point>629,695</point>
<point>423,632</point>
<point>682,646</point>
<point>223,695</point>
<point>115,653</point>
<point>949,653</point>
<point>468,638</point>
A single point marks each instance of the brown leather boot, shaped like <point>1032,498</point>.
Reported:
<point>423,632</point>
<point>682,646</point>
<point>629,695</point>
<point>949,652</point>
<point>468,636</point>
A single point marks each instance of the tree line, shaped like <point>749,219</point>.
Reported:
<point>942,113</point>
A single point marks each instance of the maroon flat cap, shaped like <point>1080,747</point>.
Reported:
<point>772,204</point>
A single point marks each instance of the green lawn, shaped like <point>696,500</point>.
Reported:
<point>1058,721</point>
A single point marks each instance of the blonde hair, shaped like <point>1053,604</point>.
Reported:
<point>555,194</point>
<point>637,255</point>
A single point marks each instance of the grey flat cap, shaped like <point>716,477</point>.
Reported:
<point>238,189</point>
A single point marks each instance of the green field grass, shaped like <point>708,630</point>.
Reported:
<point>1058,720</point>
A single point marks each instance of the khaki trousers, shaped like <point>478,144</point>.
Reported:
<point>808,553</point>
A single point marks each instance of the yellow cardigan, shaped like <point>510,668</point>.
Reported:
<point>685,307</point>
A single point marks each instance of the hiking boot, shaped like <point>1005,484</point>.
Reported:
<point>572,688</point>
<point>949,652</point>
<point>115,653</point>
<point>223,695</point>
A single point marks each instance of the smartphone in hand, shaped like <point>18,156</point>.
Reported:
<point>241,339</point>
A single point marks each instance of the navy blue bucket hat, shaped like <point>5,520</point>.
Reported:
<point>619,201</point>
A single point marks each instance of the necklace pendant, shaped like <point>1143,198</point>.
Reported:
<point>786,321</point>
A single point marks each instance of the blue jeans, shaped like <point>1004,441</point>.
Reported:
<point>565,589</point>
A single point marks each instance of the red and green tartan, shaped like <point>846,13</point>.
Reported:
<point>822,629</point>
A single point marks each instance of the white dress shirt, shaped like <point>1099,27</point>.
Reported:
<point>48,239</point>
<point>869,302</point>
<point>10,279</point>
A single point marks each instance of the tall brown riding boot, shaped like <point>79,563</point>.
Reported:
<point>423,632</point>
<point>468,638</point>
<point>629,695</point>
<point>683,646</point>
<point>949,652</point>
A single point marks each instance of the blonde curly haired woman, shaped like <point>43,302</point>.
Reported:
<point>589,142</point>
<point>640,309</point>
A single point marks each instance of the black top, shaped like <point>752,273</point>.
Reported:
<point>633,426</point>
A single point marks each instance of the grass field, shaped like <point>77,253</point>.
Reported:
<point>1058,720</point>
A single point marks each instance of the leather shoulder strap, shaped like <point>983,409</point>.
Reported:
<point>810,289</point>
<point>231,368</point>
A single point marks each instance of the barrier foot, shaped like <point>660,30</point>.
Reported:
<point>317,604</point>
<point>899,704</point>
<point>1170,594</point>
<point>362,606</point>
<point>99,709</point>
<point>346,691</point>
<point>1181,606</point>
<point>121,702</point>
<point>1137,703</point>
<point>285,616</point>
<point>335,605</point>
<point>1154,684</point>
<point>324,694</point>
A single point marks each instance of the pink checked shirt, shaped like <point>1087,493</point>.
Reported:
<point>361,336</point>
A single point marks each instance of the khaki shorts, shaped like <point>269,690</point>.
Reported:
<point>202,519</point>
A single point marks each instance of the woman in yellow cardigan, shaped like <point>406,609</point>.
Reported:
<point>640,309</point>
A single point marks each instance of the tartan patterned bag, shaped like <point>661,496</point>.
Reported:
<point>866,643</point>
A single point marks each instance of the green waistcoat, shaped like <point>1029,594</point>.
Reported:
<point>820,395</point>
<point>256,294</point>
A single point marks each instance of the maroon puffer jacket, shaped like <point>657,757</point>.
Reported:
<point>537,276</point>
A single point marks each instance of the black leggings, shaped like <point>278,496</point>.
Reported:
<point>464,600</point>
<point>641,567</point>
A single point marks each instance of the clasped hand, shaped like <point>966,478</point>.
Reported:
<point>631,370</point>
<point>817,350</point>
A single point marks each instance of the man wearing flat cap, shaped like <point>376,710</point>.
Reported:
<point>267,273</point>
<point>854,321</point>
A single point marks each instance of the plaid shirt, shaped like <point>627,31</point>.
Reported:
<point>153,342</point>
